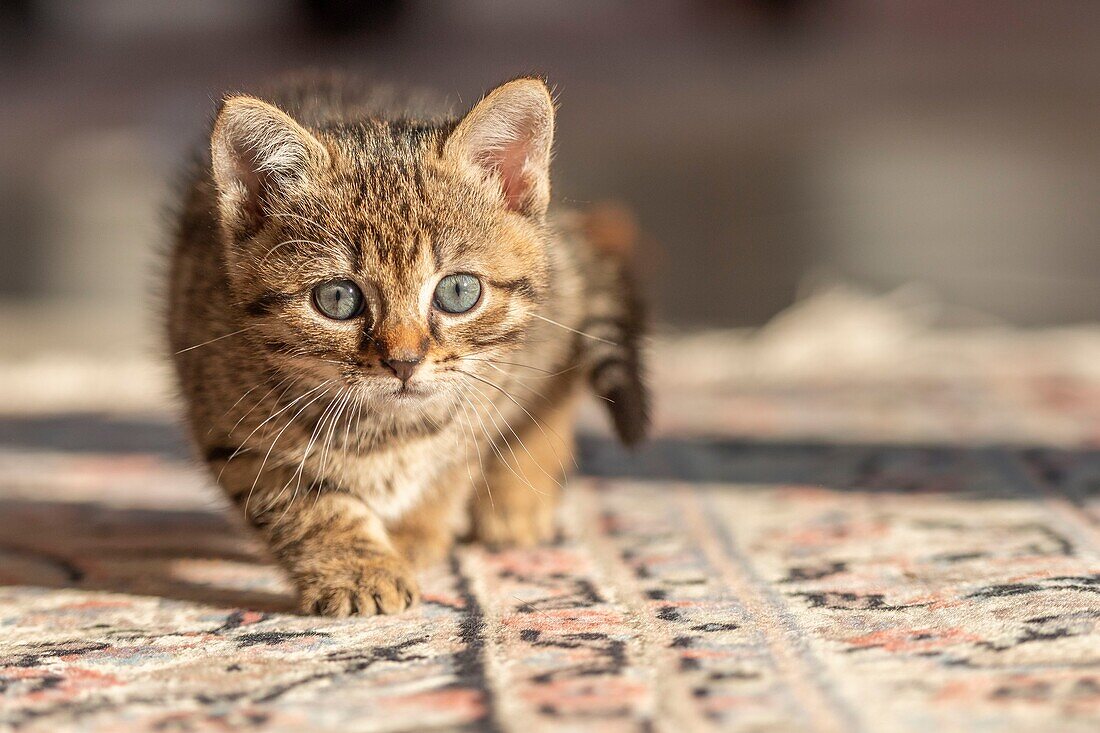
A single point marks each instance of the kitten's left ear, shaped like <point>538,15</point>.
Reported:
<point>506,139</point>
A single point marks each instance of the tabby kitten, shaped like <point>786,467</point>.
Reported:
<point>380,333</point>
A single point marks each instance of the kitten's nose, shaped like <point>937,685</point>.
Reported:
<point>401,369</point>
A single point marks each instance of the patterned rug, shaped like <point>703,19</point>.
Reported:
<point>905,539</point>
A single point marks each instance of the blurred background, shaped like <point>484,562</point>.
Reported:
<point>765,147</point>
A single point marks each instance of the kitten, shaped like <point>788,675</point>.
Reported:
<point>380,333</point>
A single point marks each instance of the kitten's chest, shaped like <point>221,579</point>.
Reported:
<point>391,478</point>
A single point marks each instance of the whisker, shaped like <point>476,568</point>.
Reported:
<point>347,427</point>
<point>466,440</point>
<point>326,446</point>
<point>318,429</point>
<point>359,428</point>
<point>497,451</point>
<point>247,392</point>
<point>480,457</point>
<point>229,434</point>
<point>289,422</point>
<point>527,412</point>
<point>579,333</point>
<point>259,472</point>
<point>262,399</point>
<point>521,444</point>
<point>216,338</point>
<point>517,364</point>
<point>500,432</point>
<point>523,384</point>
<point>282,410</point>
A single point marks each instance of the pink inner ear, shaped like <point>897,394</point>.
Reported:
<point>510,163</point>
<point>254,181</point>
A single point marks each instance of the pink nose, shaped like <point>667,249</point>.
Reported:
<point>401,369</point>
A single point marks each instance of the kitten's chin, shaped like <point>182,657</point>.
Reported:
<point>396,397</point>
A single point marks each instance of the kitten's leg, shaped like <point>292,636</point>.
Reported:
<point>335,549</point>
<point>426,533</point>
<point>516,504</point>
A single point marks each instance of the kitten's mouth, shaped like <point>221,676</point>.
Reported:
<point>408,392</point>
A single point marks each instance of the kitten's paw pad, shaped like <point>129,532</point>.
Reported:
<point>500,527</point>
<point>371,588</point>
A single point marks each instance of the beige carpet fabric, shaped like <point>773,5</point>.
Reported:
<point>900,532</point>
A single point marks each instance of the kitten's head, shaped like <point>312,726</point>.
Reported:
<point>386,256</point>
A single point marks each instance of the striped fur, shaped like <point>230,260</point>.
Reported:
<point>352,478</point>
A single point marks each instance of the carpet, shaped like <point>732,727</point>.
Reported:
<point>896,534</point>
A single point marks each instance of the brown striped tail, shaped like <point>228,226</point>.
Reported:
<point>615,327</point>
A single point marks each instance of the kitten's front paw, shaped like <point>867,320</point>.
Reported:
<point>363,587</point>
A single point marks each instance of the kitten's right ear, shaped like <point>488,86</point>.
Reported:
<point>258,154</point>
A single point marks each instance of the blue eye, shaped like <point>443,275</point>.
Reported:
<point>457,293</point>
<point>338,299</point>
